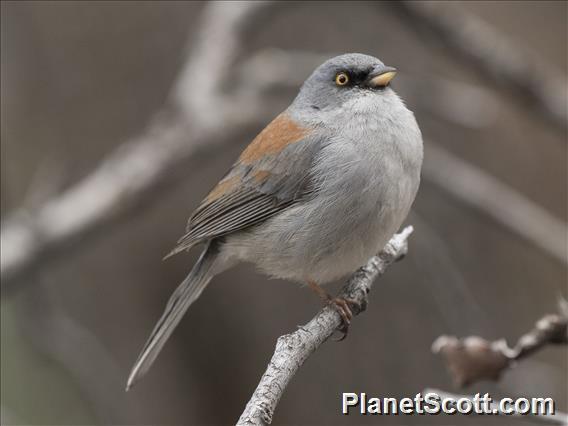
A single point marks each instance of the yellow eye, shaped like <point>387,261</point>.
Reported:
<point>341,79</point>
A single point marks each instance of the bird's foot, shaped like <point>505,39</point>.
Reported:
<point>341,305</point>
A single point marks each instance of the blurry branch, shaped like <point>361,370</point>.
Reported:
<point>474,358</point>
<point>199,118</point>
<point>558,418</point>
<point>491,54</point>
<point>202,116</point>
<point>199,89</point>
<point>292,350</point>
<point>501,202</point>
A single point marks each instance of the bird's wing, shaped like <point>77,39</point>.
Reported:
<point>271,174</point>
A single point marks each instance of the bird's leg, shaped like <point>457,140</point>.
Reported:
<point>341,304</point>
<point>322,294</point>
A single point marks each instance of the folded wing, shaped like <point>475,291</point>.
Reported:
<point>271,174</point>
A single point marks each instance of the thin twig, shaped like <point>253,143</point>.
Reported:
<point>292,350</point>
<point>494,56</point>
<point>473,358</point>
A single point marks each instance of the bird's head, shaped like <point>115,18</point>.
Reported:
<point>346,78</point>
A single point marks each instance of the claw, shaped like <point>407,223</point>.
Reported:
<point>341,304</point>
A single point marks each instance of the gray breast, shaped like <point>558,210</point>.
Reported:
<point>366,177</point>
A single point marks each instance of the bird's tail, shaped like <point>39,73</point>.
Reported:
<point>186,293</point>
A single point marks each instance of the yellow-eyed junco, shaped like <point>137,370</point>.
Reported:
<point>317,193</point>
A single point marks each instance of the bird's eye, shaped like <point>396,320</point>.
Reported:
<point>341,79</point>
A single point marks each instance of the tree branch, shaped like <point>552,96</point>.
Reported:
<point>496,58</point>
<point>473,358</point>
<point>292,350</point>
<point>503,203</point>
<point>146,164</point>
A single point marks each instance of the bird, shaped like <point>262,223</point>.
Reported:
<point>317,193</point>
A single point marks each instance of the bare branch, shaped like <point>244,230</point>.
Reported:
<point>143,165</point>
<point>292,350</point>
<point>501,202</point>
<point>211,62</point>
<point>498,59</point>
<point>558,418</point>
<point>474,358</point>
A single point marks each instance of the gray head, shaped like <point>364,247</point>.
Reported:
<point>344,78</point>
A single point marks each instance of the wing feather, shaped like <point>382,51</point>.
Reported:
<point>257,186</point>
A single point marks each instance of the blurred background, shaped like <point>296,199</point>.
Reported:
<point>488,256</point>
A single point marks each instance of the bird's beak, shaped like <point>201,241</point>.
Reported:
<point>382,76</point>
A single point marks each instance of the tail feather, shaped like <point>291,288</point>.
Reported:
<point>186,293</point>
